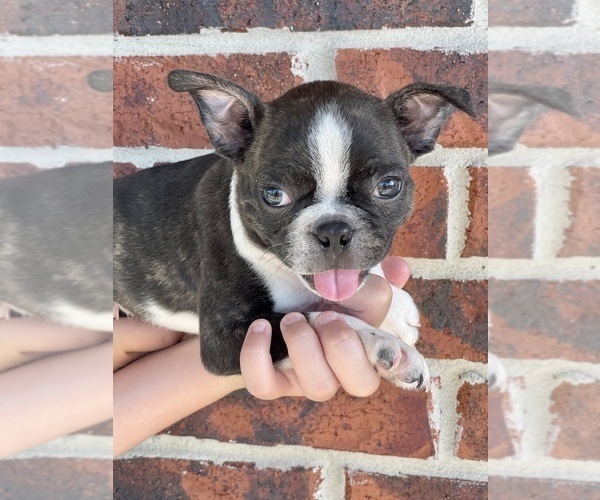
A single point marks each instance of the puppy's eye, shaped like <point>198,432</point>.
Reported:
<point>388,188</point>
<point>275,197</point>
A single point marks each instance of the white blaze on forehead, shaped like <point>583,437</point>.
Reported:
<point>329,145</point>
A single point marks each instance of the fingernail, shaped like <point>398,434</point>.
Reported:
<point>259,327</point>
<point>326,317</point>
<point>291,318</point>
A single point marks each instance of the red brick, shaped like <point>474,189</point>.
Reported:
<point>53,105</point>
<point>476,244</point>
<point>576,409</point>
<point>14,169</point>
<point>55,17</point>
<point>382,72</point>
<point>583,235</point>
<point>391,422</point>
<point>545,320</point>
<point>499,443</point>
<point>362,486</point>
<point>148,113</point>
<point>511,202</point>
<point>453,318</point>
<point>543,489</point>
<point>472,409</point>
<point>531,13</point>
<point>64,478</point>
<point>425,233</point>
<point>146,17</point>
<point>122,169</point>
<point>577,74</point>
<point>191,479</point>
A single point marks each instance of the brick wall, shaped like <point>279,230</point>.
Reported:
<point>545,257</point>
<point>55,102</point>
<point>395,443</point>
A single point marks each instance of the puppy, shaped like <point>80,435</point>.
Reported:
<point>298,205</point>
<point>55,249</point>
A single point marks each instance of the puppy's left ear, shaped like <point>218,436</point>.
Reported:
<point>229,112</point>
<point>421,110</point>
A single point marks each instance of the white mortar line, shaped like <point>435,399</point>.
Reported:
<point>530,416</point>
<point>73,446</point>
<point>333,483</point>
<point>56,46</point>
<point>579,38</point>
<point>284,457</point>
<point>458,179</point>
<point>523,156</point>
<point>444,420</point>
<point>479,14</point>
<point>553,189</point>
<point>472,268</point>
<point>144,157</point>
<point>545,468</point>
<point>467,40</point>
<point>561,269</point>
<point>49,157</point>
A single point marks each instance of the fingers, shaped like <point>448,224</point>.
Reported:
<point>261,378</point>
<point>372,302</point>
<point>317,380</point>
<point>396,270</point>
<point>346,355</point>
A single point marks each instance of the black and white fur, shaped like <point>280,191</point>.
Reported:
<point>197,248</point>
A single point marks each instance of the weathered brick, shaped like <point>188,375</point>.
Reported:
<point>545,320</point>
<point>55,17</point>
<point>531,13</point>
<point>391,422</point>
<point>499,443</point>
<point>122,169</point>
<point>191,479</point>
<point>576,409</point>
<point>534,489</point>
<point>362,485</point>
<point>148,17</point>
<point>148,113</point>
<point>14,169</point>
<point>476,244</point>
<point>425,233</point>
<point>576,74</point>
<point>511,202</point>
<point>582,237</point>
<point>53,105</point>
<point>64,478</point>
<point>382,72</point>
<point>472,409</point>
<point>453,318</point>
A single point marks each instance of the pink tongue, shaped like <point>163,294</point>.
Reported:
<point>336,285</point>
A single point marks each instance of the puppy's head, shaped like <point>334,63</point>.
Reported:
<point>321,175</point>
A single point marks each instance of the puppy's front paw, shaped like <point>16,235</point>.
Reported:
<point>394,359</point>
<point>403,318</point>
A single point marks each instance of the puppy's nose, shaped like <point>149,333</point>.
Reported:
<point>334,236</point>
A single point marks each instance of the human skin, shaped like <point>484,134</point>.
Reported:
<point>164,381</point>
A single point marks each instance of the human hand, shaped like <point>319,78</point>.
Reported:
<point>327,356</point>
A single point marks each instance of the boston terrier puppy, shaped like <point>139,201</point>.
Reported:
<point>298,205</point>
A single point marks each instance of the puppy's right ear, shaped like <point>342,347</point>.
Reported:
<point>229,113</point>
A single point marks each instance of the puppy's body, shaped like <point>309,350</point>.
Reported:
<point>304,199</point>
<point>55,250</point>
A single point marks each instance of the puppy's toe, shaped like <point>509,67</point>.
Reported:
<point>403,366</point>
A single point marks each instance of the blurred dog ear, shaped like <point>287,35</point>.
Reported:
<point>229,112</point>
<point>421,109</point>
<point>513,107</point>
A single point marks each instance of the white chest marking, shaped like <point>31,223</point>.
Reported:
<point>76,316</point>
<point>286,288</point>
